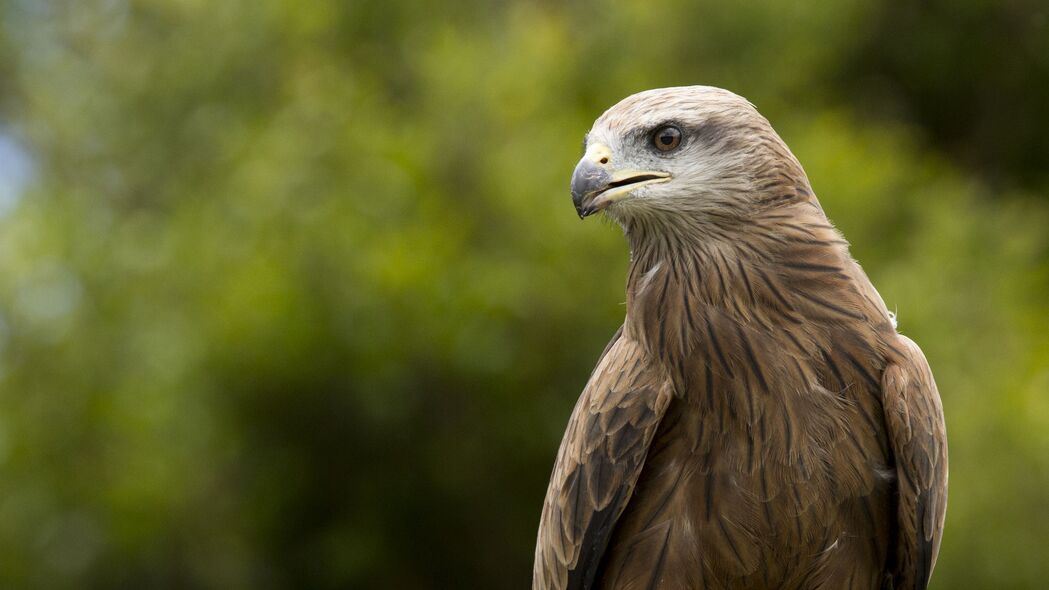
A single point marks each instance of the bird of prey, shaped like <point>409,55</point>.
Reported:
<point>757,421</point>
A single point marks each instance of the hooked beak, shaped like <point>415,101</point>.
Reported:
<point>596,184</point>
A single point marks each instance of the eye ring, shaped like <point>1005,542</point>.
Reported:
<point>667,138</point>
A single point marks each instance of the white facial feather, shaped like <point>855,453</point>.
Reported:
<point>727,146</point>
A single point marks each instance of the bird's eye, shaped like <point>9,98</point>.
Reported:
<point>667,138</point>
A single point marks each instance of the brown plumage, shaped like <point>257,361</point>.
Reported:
<point>757,421</point>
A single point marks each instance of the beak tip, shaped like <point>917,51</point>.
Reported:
<point>588,180</point>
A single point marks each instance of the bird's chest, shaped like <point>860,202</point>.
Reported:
<point>758,461</point>
<point>768,424</point>
<point>757,491</point>
<point>767,404</point>
<point>773,450</point>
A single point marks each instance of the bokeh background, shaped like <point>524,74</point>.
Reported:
<point>292,295</point>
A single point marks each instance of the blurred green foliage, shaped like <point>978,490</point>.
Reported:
<point>292,294</point>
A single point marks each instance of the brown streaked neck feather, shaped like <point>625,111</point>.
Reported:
<point>783,266</point>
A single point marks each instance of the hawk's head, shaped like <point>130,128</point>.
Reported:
<point>691,149</point>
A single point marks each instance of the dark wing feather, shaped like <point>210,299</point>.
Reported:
<point>914,417</point>
<point>602,453</point>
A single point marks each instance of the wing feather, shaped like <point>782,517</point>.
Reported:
<point>601,455</point>
<point>914,417</point>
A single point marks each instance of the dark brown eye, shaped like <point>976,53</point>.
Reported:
<point>667,138</point>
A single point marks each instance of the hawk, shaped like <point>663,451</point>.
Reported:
<point>757,421</point>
